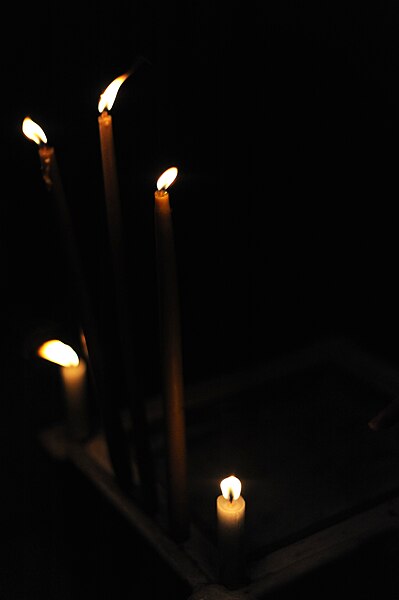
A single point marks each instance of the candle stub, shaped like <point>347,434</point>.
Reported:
<point>74,380</point>
<point>230,508</point>
<point>75,388</point>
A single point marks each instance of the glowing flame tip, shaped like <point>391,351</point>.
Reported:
<point>167,178</point>
<point>231,488</point>
<point>33,131</point>
<point>108,96</point>
<point>57,352</point>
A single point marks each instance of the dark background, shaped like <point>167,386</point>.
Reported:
<point>282,120</point>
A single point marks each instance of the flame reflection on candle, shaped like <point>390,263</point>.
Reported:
<point>57,352</point>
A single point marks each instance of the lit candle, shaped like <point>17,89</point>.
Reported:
<point>171,359</point>
<point>114,220</point>
<point>73,376</point>
<point>98,367</point>
<point>110,176</point>
<point>230,507</point>
<point>139,422</point>
<point>52,179</point>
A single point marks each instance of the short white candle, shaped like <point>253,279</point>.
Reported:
<point>74,381</point>
<point>230,506</point>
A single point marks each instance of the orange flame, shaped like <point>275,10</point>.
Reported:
<point>57,352</point>
<point>107,98</point>
<point>33,131</point>
<point>231,488</point>
<point>167,178</point>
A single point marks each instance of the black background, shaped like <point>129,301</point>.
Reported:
<point>282,119</point>
<point>282,122</point>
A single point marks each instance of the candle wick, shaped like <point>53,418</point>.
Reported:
<point>46,170</point>
<point>231,496</point>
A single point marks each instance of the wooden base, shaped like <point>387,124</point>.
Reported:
<point>280,563</point>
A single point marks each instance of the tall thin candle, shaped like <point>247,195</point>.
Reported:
<point>171,358</point>
<point>124,322</point>
<point>113,426</point>
<point>52,180</point>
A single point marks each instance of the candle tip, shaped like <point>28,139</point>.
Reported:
<point>167,178</point>
<point>231,488</point>
<point>107,98</point>
<point>33,131</point>
<point>59,353</point>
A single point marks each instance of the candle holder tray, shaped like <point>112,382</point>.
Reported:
<point>319,484</point>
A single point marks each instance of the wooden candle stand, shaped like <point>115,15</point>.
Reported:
<point>318,482</point>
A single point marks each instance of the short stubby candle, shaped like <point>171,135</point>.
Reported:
<point>230,506</point>
<point>74,381</point>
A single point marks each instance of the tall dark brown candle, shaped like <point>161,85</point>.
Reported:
<point>124,321</point>
<point>171,357</point>
<point>103,384</point>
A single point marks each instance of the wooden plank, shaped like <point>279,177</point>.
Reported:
<point>195,561</point>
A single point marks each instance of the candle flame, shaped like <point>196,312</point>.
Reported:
<point>231,488</point>
<point>107,98</point>
<point>167,178</point>
<point>33,131</point>
<point>57,352</point>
